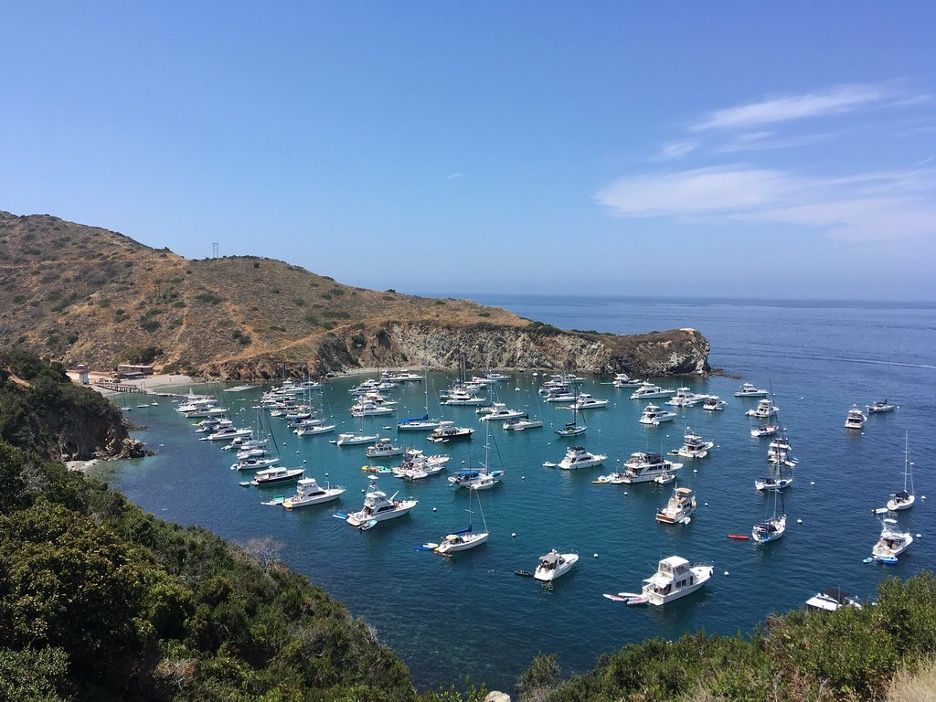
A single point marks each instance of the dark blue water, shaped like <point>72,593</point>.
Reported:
<point>473,617</point>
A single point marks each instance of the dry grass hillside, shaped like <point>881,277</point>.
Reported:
<point>85,294</point>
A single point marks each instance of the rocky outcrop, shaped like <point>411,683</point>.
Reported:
<point>439,346</point>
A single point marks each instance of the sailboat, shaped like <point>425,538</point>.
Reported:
<point>353,439</point>
<point>465,539</point>
<point>905,498</point>
<point>770,529</point>
<point>420,423</point>
<point>482,478</point>
<point>573,428</point>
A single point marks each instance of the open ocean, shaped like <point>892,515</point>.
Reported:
<point>471,617</point>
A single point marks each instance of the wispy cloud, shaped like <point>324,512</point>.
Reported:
<point>875,205</point>
<point>766,142</point>
<point>834,100</point>
<point>674,150</point>
<point>453,176</point>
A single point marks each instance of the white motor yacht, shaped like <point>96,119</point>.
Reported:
<point>500,412</point>
<point>650,392</point>
<point>554,565</point>
<point>713,403</point>
<point>694,446</point>
<point>348,439</point>
<point>308,492</point>
<point>765,410</point>
<point>275,476</point>
<point>832,600</point>
<point>748,390</point>
<point>370,409</point>
<point>577,457</point>
<point>459,397</point>
<point>891,543</point>
<point>312,430</point>
<point>761,430</point>
<point>644,467</point>
<point>255,463</point>
<point>679,507</point>
<point>675,578</point>
<point>655,416</point>
<point>855,419</point>
<point>586,401</point>
<point>880,407</point>
<point>623,380</point>
<point>378,507</point>
<point>684,397</point>
<point>227,433</point>
<point>384,448</point>
<point>523,424</point>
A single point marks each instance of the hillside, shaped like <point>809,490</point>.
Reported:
<point>84,294</point>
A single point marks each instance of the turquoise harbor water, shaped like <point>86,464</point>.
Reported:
<point>473,617</point>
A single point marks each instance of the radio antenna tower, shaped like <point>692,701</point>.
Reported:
<point>214,249</point>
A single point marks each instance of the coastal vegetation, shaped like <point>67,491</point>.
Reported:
<point>83,294</point>
<point>100,600</point>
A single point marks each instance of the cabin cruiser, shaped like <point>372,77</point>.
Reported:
<point>313,429</point>
<point>644,467</point>
<point>693,446</point>
<point>370,409</point>
<point>650,392</point>
<point>674,578</point>
<point>447,431</point>
<point>763,430</point>
<point>623,380</point>
<point>880,407</point>
<point>499,411</point>
<point>417,466</point>
<point>378,507</point>
<point>250,453</point>
<point>679,507</point>
<point>228,432</point>
<point>855,419</point>
<point>713,403</point>
<point>276,475</point>
<point>384,448</point>
<point>765,410</point>
<point>684,397</point>
<point>586,401</point>
<point>460,397</point>
<point>559,395</point>
<point>554,565</point>
<point>349,439</point>
<point>523,424</point>
<point>654,416</point>
<point>891,543</point>
<point>832,599</point>
<point>418,424</point>
<point>748,390</point>
<point>308,493</point>
<point>403,376</point>
<point>254,463</point>
<point>578,457</point>
<point>244,443</point>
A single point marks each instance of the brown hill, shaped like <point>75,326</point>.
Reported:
<point>84,294</point>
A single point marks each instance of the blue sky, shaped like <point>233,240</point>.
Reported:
<point>742,149</point>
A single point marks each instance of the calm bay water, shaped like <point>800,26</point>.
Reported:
<point>472,617</point>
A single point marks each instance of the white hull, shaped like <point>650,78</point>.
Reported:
<point>895,506</point>
<point>590,463</point>
<point>702,575</point>
<point>354,439</point>
<point>418,426</point>
<point>329,496</point>
<point>359,518</point>
<point>523,424</point>
<point>468,542</point>
<point>312,431</point>
<point>548,575</point>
